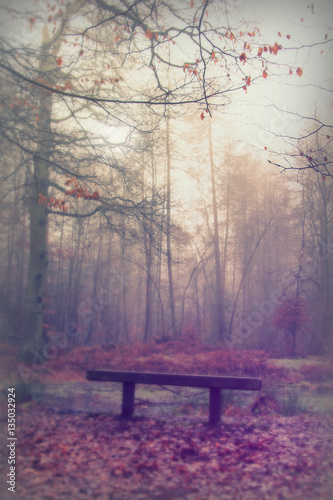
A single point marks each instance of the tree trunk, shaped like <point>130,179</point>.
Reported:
<point>33,318</point>
<point>168,234</point>
<point>218,281</point>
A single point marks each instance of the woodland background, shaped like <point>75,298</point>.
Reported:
<point>161,177</point>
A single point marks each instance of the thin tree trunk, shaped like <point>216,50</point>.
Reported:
<point>168,233</point>
<point>125,324</point>
<point>218,281</point>
<point>226,236</point>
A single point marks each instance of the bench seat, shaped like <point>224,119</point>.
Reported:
<point>212,382</point>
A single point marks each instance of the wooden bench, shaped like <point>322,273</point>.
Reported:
<point>213,383</point>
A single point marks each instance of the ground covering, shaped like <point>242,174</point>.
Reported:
<point>271,446</point>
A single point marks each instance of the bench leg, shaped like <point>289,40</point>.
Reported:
<point>128,399</point>
<point>215,400</point>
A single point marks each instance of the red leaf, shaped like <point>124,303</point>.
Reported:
<point>274,50</point>
<point>242,57</point>
<point>260,51</point>
<point>59,61</point>
<point>202,116</point>
<point>264,74</point>
<point>213,54</point>
<point>191,3</point>
<point>81,53</point>
<point>299,71</point>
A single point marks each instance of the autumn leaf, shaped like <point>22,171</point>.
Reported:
<point>288,37</point>
<point>264,74</point>
<point>202,116</point>
<point>242,57</point>
<point>274,50</point>
<point>186,66</point>
<point>260,51</point>
<point>191,3</point>
<point>290,72</point>
<point>213,55</point>
<point>59,61</point>
<point>299,71</point>
<point>81,53</point>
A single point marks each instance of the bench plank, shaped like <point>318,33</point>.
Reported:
<point>207,381</point>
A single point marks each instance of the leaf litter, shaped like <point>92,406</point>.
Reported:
<point>83,456</point>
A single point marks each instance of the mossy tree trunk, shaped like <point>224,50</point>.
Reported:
<point>33,317</point>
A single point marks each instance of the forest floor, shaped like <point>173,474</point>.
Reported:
<point>72,445</point>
